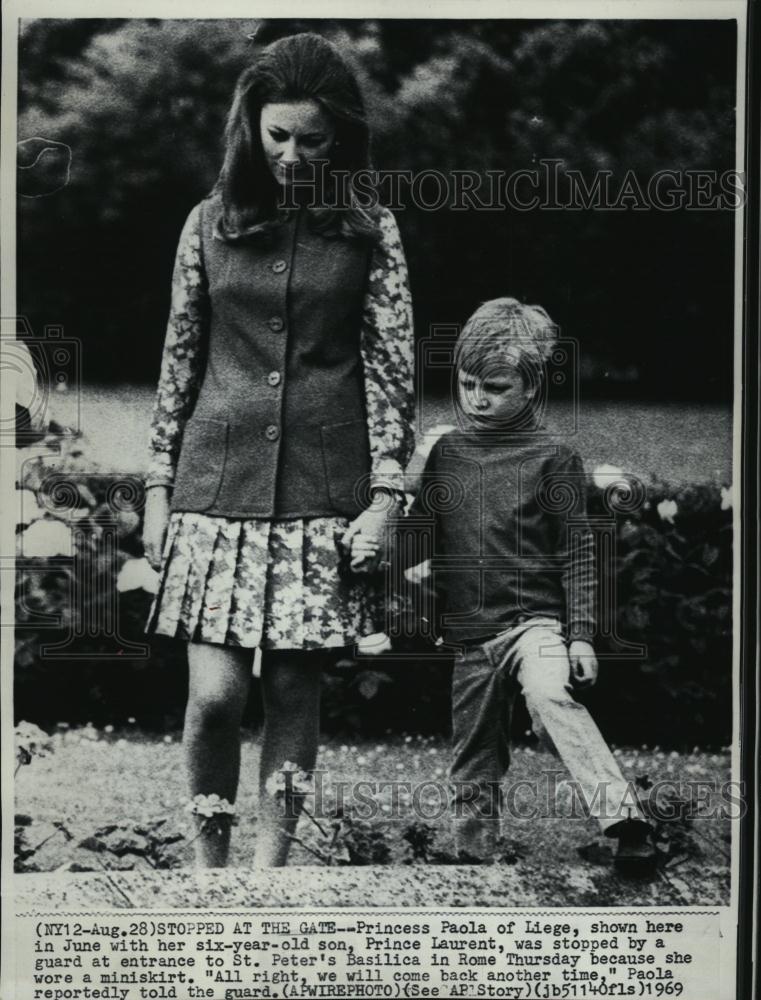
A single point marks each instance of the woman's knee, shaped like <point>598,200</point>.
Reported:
<point>215,709</point>
<point>219,682</point>
<point>290,683</point>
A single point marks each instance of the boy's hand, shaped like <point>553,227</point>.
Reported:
<point>364,553</point>
<point>583,663</point>
<point>366,535</point>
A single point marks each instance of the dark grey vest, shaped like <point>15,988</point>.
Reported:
<point>279,428</point>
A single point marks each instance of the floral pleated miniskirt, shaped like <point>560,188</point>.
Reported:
<point>273,584</point>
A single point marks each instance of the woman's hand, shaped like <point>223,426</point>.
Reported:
<point>155,524</point>
<point>365,537</point>
<point>583,663</point>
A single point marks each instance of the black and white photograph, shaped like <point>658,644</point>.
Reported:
<point>372,506</point>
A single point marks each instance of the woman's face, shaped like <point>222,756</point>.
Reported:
<point>294,134</point>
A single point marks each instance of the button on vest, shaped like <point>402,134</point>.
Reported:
<point>279,427</point>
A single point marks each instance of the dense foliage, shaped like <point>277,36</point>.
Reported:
<point>138,106</point>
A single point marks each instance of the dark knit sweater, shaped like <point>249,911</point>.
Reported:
<point>504,522</point>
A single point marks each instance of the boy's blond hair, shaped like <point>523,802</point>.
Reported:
<point>506,331</point>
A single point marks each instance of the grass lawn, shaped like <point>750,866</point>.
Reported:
<point>678,442</point>
<point>93,778</point>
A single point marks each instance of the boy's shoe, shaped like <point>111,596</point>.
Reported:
<point>636,853</point>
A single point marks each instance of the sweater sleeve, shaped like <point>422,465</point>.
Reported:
<point>416,531</point>
<point>577,547</point>
<point>184,356</point>
<point>387,349</point>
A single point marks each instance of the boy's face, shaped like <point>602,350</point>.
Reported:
<point>496,395</point>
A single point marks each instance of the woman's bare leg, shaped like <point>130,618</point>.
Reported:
<point>291,695</point>
<point>220,678</point>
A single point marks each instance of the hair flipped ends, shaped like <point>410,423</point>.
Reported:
<point>295,68</point>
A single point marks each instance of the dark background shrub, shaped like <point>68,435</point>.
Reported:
<point>141,105</point>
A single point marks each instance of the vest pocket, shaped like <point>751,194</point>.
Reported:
<point>346,456</point>
<point>201,463</point>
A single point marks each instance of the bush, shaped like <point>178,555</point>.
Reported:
<point>83,595</point>
<point>139,107</point>
<point>81,566</point>
<point>673,579</point>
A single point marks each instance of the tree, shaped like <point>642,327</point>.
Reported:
<point>141,104</point>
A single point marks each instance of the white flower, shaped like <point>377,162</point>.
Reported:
<point>372,645</point>
<point>608,475</point>
<point>726,497</point>
<point>667,510</point>
<point>137,574</point>
<point>46,537</point>
<point>27,508</point>
<point>30,741</point>
<point>19,365</point>
<point>430,437</point>
<point>210,805</point>
<point>289,779</point>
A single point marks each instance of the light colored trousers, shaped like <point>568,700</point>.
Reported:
<point>531,656</point>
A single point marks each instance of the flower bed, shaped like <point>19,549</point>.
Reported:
<point>111,800</point>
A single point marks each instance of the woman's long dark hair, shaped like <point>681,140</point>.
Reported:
<point>296,68</point>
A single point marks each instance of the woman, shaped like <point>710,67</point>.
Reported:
<point>282,422</point>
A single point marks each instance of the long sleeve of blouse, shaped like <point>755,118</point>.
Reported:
<point>183,358</point>
<point>388,349</point>
<point>386,345</point>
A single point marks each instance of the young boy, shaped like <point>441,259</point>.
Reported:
<point>513,570</point>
